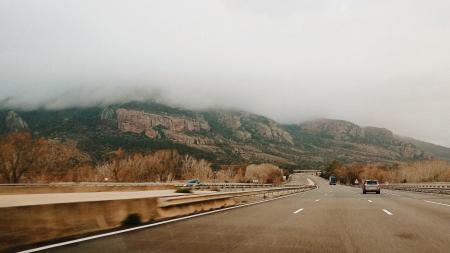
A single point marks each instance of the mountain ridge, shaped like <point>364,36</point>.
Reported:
<point>221,136</point>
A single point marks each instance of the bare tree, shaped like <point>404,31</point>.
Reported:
<point>169,165</point>
<point>161,166</point>
<point>264,173</point>
<point>231,174</point>
<point>21,153</point>
<point>198,169</point>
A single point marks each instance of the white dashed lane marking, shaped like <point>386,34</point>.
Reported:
<point>369,200</point>
<point>437,203</point>
<point>299,210</point>
<point>387,212</point>
<point>317,200</point>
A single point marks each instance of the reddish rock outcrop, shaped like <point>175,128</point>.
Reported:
<point>273,132</point>
<point>151,133</point>
<point>139,121</point>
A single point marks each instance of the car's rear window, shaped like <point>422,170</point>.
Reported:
<point>192,181</point>
<point>371,182</point>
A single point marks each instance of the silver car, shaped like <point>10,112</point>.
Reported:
<point>371,185</point>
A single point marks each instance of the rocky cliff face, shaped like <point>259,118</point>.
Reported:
<point>273,132</point>
<point>410,151</point>
<point>378,135</point>
<point>259,126</point>
<point>230,120</point>
<point>108,114</point>
<point>350,141</point>
<point>14,123</point>
<point>187,139</point>
<point>141,122</point>
<point>336,129</point>
<point>347,131</point>
<point>373,141</point>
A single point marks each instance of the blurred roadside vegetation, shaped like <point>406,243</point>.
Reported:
<point>411,172</point>
<point>28,159</point>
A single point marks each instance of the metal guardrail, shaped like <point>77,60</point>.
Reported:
<point>181,200</point>
<point>229,185</point>
<point>107,184</point>
<point>71,184</point>
<point>441,188</point>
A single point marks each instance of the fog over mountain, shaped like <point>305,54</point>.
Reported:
<point>381,63</point>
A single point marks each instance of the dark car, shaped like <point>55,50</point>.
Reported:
<point>332,180</point>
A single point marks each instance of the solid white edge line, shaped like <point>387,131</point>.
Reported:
<point>299,210</point>
<point>387,212</point>
<point>437,203</point>
<point>147,226</point>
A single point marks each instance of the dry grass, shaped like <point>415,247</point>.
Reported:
<point>234,174</point>
<point>414,172</point>
<point>264,173</point>
<point>423,171</point>
<point>160,166</point>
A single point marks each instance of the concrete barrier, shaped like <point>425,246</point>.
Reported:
<point>78,187</point>
<point>112,186</point>
<point>26,225</point>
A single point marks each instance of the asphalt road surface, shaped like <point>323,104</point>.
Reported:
<point>328,219</point>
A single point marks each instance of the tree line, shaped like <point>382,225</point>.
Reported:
<point>28,159</point>
<point>411,172</point>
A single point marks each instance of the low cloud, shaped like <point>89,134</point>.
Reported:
<point>383,63</point>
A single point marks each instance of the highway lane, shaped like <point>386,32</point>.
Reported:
<point>329,219</point>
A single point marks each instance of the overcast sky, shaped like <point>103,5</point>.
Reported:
<point>376,62</point>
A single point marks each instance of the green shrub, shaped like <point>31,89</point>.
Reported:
<point>184,190</point>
